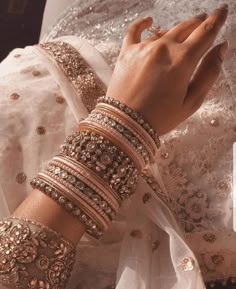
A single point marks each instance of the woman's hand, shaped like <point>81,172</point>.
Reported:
<point>155,76</point>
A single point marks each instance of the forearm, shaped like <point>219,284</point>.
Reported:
<point>79,191</point>
<point>39,207</point>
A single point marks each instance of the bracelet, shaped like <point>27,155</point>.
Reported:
<point>33,255</point>
<point>99,165</point>
<point>130,136</point>
<point>78,211</point>
<point>133,114</point>
<point>105,159</point>
<point>131,124</point>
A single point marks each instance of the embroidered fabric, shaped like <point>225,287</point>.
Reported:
<point>33,256</point>
<point>199,180</point>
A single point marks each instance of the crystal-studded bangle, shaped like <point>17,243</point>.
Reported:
<point>86,181</point>
<point>101,156</point>
<point>93,125</point>
<point>131,124</point>
<point>137,143</point>
<point>133,114</point>
<point>77,211</point>
<point>33,255</point>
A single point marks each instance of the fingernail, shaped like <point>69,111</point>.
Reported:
<point>148,18</point>
<point>224,6</point>
<point>223,49</point>
<point>202,16</point>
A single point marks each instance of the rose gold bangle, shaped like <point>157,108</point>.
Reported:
<point>113,137</point>
<point>85,176</point>
<point>137,127</point>
<point>112,115</point>
<point>51,191</point>
<point>76,199</point>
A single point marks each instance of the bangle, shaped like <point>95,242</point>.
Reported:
<point>33,255</point>
<point>105,159</point>
<point>133,114</point>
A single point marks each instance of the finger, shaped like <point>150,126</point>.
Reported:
<point>202,38</point>
<point>135,30</point>
<point>205,77</point>
<point>181,31</point>
<point>154,37</point>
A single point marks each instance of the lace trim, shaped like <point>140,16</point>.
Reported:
<point>77,71</point>
<point>33,255</point>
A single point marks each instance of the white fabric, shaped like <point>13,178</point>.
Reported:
<point>192,176</point>
<point>23,150</point>
<point>198,168</point>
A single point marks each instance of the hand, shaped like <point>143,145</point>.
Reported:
<point>155,76</point>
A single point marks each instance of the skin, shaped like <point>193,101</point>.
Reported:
<point>154,77</point>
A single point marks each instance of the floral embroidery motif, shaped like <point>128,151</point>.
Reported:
<point>20,178</point>
<point>36,73</point>
<point>209,237</point>
<point>155,245</point>
<point>76,70</point>
<point>188,264</point>
<point>146,197</point>
<point>136,234</point>
<point>33,256</point>
<point>41,130</point>
<point>60,100</point>
<point>14,96</point>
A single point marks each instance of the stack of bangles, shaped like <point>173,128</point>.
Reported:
<point>99,165</point>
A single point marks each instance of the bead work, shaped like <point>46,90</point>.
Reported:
<point>33,256</point>
<point>82,78</point>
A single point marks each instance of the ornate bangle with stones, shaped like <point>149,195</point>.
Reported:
<point>105,159</point>
<point>79,211</point>
<point>33,255</point>
<point>125,132</point>
<point>133,114</point>
<point>116,138</point>
<point>131,124</point>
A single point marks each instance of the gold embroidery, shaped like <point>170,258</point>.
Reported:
<point>20,178</point>
<point>155,245</point>
<point>76,70</point>
<point>60,100</point>
<point>36,73</point>
<point>33,256</point>
<point>146,197</point>
<point>41,130</point>
<point>136,234</point>
<point>188,264</point>
<point>14,96</point>
<point>217,259</point>
<point>208,237</point>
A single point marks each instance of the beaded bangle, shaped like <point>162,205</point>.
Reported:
<point>71,177</point>
<point>77,211</point>
<point>83,178</point>
<point>33,255</point>
<point>133,114</point>
<point>131,124</point>
<point>126,132</point>
<point>78,198</point>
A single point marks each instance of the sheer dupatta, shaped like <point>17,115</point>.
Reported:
<point>145,246</point>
